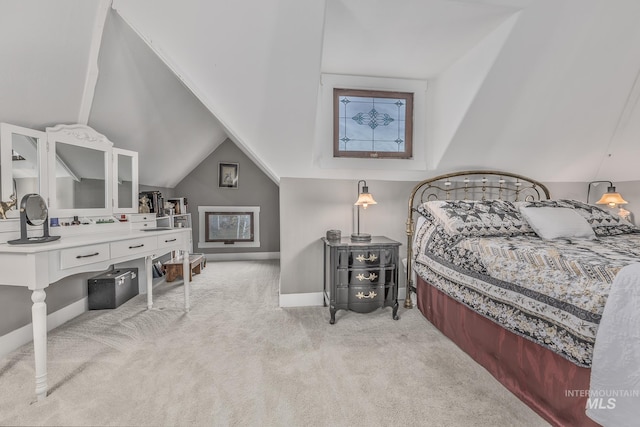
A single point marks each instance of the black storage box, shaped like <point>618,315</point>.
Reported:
<point>112,289</point>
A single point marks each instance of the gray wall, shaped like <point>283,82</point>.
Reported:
<point>15,302</point>
<point>255,188</point>
<point>166,192</point>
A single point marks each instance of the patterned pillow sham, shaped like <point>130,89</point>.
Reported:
<point>476,217</point>
<point>603,223</point>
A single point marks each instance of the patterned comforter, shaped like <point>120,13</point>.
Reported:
<point>550,292</point>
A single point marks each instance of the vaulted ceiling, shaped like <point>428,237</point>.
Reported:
<point>545,88</point>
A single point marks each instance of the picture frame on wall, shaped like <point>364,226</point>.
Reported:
<point>228,175</point>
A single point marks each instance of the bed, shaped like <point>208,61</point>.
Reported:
<point>525,307</point>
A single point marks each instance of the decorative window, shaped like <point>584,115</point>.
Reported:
<point>374,124</point>
<point>228,226</point>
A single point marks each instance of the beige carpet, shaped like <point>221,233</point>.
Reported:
<point>238,359</point>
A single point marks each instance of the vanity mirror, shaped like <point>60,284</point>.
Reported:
<point>33,211</point>
<point>79,160</point>
<point>75,169</point>
<point>22,162</point>
<point>125,181</point>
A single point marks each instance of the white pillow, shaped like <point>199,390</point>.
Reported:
<point>557,223</point>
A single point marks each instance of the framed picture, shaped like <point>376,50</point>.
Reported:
<point>229,227</point>
<point>228,175</point>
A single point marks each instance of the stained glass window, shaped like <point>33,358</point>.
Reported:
<point>373,124</point>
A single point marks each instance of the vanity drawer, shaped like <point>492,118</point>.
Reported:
<point>133,246</point>
<point>141,225</point>
<point>142,217</point>
<point>167,240</point>
<point>140,221</point>
<point>83,255</point>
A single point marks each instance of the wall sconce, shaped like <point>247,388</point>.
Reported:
<point>611,198</point>
<point>364,199</point>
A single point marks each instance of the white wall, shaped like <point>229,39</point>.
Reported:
<point>310,207</point>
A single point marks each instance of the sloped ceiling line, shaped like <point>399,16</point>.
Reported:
<point>92,66</point>
<point>201,96</point>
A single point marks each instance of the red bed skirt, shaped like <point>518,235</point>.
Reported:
<point>539,377</point>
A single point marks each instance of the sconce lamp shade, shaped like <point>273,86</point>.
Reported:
<point>611,198</point>
<point>365,199</point>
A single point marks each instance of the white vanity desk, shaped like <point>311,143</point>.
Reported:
<point>35,266</point>
<point>79,173</point>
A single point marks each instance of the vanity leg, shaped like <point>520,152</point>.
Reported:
<point>186,274</point>
<point>147,265</point>
<point>39,321</point>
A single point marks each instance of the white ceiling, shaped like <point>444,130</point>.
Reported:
<point>403,39</point>
<point>44,48</point>
<point>546,88</point>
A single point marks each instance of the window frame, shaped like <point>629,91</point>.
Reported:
<point>408,147</point>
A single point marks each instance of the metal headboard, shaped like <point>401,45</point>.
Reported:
<point>468,185</point>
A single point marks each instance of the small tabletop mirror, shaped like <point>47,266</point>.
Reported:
<point>33,211</point>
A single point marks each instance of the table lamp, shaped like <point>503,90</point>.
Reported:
<point>364,199</point>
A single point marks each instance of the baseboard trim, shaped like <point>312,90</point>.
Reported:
<point>307,299</point>
<point>243,256</point>
<point>21,336</point>
<point>311,299</point>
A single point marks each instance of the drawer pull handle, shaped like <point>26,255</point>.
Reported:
<point>136,246</point>
<point>170,240</point>
<point>372,277</point>
<point>371,257</point>
<point>371,295</point>
<point>87,256</point>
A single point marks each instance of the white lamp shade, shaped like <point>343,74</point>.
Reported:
<point>611,199</point>
<point>364,200</point>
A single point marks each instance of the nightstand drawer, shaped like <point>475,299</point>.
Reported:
<point>364,299</point>
<point>365,276</point>
<point>366,257</point>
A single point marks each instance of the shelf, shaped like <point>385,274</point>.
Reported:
<point>174,221</point>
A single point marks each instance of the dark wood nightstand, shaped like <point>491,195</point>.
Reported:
<point>361,276</point>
